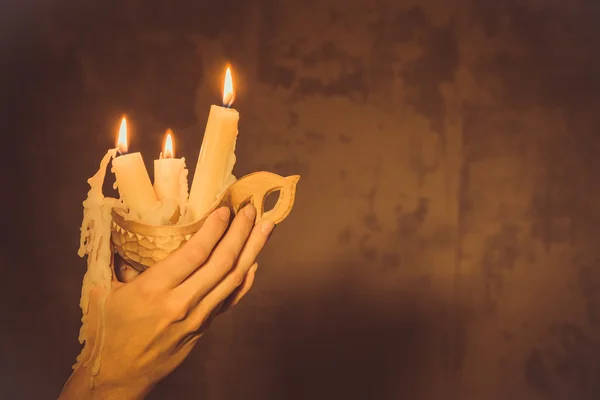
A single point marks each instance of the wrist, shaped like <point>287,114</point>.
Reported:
<point>79,387</point>
<point>121,390</point>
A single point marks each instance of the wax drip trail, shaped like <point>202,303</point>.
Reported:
<point>183,189</point>
<point>95,243</point>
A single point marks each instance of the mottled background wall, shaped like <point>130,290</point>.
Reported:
<point>444,242</point>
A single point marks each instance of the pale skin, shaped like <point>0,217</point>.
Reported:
<point>154,321</point>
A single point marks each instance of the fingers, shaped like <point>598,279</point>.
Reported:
<point>257,240</point>
<point>221,260</point>
<point>178,266</point>
<point>241,290</point>
<point>235,278</point>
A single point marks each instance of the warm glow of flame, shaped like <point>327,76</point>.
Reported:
<point>169,149</point>
<point>122,139</point>
<point>228,93</point>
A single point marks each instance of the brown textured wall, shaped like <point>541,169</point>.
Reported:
<point>444,239</point>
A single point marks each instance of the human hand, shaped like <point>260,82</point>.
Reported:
<point>153,322</point>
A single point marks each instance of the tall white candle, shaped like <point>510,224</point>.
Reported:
<point>170,177</point>
<point>132,178</point>
<point>217,155</point>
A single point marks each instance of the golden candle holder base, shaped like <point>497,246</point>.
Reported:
<point>142,245</point>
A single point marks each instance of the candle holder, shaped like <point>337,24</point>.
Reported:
<point>141,245</point>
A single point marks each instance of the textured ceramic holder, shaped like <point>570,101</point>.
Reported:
<point>142,245</point>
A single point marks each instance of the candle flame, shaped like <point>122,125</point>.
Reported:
<point>122,139</point>
<point>169,149</point>
<point>228,93</point>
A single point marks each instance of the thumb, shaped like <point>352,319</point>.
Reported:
<point>123,272</point>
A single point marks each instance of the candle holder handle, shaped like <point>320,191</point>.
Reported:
<point>255,188</point>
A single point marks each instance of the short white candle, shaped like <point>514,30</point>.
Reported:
<point>132,178</point>
<point>170,176</point>
<point>167,171</point>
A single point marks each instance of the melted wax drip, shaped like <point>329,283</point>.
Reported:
<point>183,189</point>
<point>95,243</point>
<point>228,178</point>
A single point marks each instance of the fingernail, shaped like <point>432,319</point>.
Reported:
<point>253,268</point>
<point>267,227</point>
<point>250,211</point>
<point>223,213</point>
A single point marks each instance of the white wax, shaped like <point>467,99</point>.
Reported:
<point>216,161</point>
<point>95,243</point>
<point>167,182</point>
<point>134,184</point>
<point>170,186</point>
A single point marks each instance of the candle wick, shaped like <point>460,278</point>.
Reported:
<point>227,100</point>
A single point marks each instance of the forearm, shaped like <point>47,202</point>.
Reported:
<point>78,388</point>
